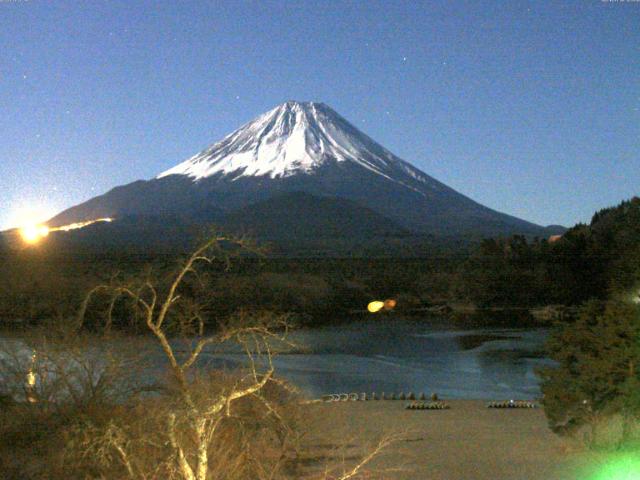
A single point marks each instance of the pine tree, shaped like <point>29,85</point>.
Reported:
<point>598,367</point>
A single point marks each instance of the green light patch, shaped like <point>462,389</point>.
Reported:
<point>622,467</point>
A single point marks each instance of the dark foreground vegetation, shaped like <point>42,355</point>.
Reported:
<point>594,390</point>
<point>95,420</point>
<point>81,401</point>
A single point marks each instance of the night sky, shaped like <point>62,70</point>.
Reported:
<point>531,108</point>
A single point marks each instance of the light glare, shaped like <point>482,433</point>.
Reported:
<point>623,467</point>
<point>33,233</point>
<point>375,306</point>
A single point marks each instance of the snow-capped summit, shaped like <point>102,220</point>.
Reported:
<point>301,148</point>
<point>295,137</point>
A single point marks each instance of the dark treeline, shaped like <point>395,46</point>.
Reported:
<point>588,262</point>
<point>36,285</point>
<point>593,391</point>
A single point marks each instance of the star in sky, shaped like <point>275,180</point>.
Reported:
<point>180,35</point>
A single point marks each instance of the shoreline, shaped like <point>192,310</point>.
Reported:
<point>467,441</point>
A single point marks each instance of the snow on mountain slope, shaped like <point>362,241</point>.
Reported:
<point>300,147</point>
<point>293,138</point>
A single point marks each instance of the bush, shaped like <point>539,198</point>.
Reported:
<point>597,374</point>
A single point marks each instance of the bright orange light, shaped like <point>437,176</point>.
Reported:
<point>390,304</point>
<point>375,306</point>
<point>30,221</point>
<point>75,226</point>
<point>33,233</point>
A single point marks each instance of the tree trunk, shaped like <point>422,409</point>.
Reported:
<point>202,453</point>
<point>184,467</point>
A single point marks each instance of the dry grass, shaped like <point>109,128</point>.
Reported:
<point>254,442</point>
<point>468,441</point>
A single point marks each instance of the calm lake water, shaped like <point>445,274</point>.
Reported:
<point>403,356</point>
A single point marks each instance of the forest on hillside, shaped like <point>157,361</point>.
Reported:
<point>588,262</point>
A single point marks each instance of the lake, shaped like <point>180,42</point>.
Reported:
<point>404,356</point>
<point>394,356</point>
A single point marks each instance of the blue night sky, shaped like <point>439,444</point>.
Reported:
<point>531,108</point>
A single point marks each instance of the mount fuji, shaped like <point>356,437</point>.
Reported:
<point>294,164</point>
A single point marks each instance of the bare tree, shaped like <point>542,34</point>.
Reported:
<point>194,419</point>
<point>201,423</point>
<point>52,367</point>
<point>360,469</point>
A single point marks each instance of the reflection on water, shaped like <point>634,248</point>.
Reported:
<point>402,356</point>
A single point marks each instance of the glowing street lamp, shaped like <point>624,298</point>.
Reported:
<point>375,306</point>
<point>378,305</point>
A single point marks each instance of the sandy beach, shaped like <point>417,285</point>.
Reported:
<point>467,442</point>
